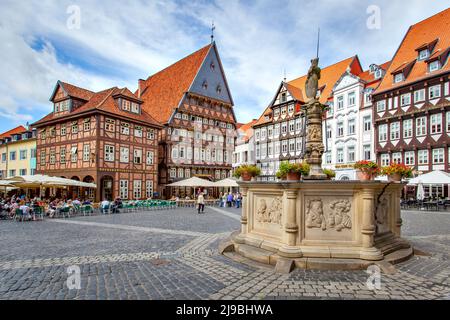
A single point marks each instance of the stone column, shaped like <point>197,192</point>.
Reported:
<point>290,227</point>
<point>397,210</point>
<point>369,252</point>
<point>244,217</point>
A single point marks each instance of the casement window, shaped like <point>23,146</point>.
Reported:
<point>367,98</point>
<point>447,116</point>
<point>299,144</point>
<point>367,152</point>
<point>407,128</point>
<point>12,156</point>
<point>351,99</point>
<point>42,157</point>
<point>217,174</point>
<point>74,154</point>
<point>149,189</point>
<point>405,99</point>
<point>276,112</point>
<point>124,128</point>
<point>291,108</point>
<point>86,152</point>
<point>178,116</point>
<point>367,122</point>
<point>63,129</point>
<point>187,173</point>
<point>423,54</point>
<point>22,172</point>
<point>434,66</point>
<point>74,127</point>
<point>270,132</point>
<point>43,134</point>
<point>124,154</point>
<point>174,152</point>
<point>340,155</point>
<point>22,154</point>
<point>283,97</point>
<point>283,111</point>
<point>33,153</point>
<point>410,158</point>
<point>52,156</point>
<point>87,124</point>
<point>422,156</point>
<point>205,121</point>
<point>340,129</point>
<point>276,131</point>
<point>381,105</point>
<point>180,173</point>
<point>395,130</point>
<point>292,146</point>
<point>421,126</point>
<point>436,123</point>
<point>109,153</point>
<point>138,131</point>
<point>419,95</point>
<point>438,156</point>
<point>188,153</point>
<point>137,156</point>
<point>284,128</point>
<point>203,154</point>
<point>125,105</point>
<point>340,102</point>
<point>263,134</point>
<point>110,125</point>
<point>351,126</point>
<point>434,92</point>
<point>397,157</point>
<point>292,126</point>
<point>151,134</point>
<point>173,172</point>
<point>225,156</point>
<point>123,189</point>
<point>284,146</point>
<point>328,158</point>
<point>329,132</point>
<point>351,154</point>
<point>277,147</point>
<point>62,155</point>
<point>149,157</point>
<point>12,173</point>
<point>182,153</point>
<point>398,78</point>
<point>134,107</point>
<point>298,124</point>
<point>382,133</point>
<point>137,189</point>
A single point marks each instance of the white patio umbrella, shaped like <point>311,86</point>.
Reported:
<point>228,182</point>
<point>193,182</point>
<point>420,192</point>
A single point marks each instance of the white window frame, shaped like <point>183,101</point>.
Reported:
<point>123,189</point>
<point>124,154</point>
<point>109,153</point>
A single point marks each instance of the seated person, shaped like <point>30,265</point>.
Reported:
<point>104,205</point>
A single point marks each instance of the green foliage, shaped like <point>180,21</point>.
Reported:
<point>287,167</point>
<point>330,173</point>
<point>252,170</point>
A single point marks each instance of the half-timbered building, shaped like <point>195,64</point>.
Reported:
<point>192,100</point>
<point>101,137</point>
<point>412,103</point>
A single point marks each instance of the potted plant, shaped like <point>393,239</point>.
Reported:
<point>367,170</point>
<point>330,173</point>
<point>292,171</point>
<point>247,172</point>
<point>397,171</point>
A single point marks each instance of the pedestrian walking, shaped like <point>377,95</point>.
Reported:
<point>201,203</point>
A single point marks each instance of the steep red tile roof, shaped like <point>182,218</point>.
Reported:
<point>370,77</point>
<point>76,92</point>
<point>104,101</point>
<point>419,35</point>
<point>247,129</point>
<point>294,91</point>
<point>16,130</point>
<point>162,92</point>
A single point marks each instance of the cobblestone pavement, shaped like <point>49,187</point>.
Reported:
<point>173,255</point>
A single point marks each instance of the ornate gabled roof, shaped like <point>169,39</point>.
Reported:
<point>104,101</point>
<point>16,130</point>
<point>163,91</point>
<point>72,91</point>
<point>419,36</point>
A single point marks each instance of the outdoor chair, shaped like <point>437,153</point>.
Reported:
<point>87,210</point>
<point>19,215</point>
<point>39,213</point>
<point>63,212</point>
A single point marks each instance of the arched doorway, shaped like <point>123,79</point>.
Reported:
<point>74,192</point>
<point>344,178</point>
<point>106,186</point>
<point>89,193</point>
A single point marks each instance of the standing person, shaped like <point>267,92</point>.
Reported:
<point>238,200</point>
<point>230,200</point>
<point>201,203</point>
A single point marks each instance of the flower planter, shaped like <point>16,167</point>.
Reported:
<point>246,176</point>
<point>364,176</point>
<point>293,176</point>
<point>396,177</point>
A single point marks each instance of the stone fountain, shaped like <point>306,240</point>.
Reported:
<point>318,223</point>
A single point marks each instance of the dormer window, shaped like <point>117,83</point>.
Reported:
<point>378,74</point>
<point>126,105</point>
<point>219,89</point>
<point>212,65</point>
<point>62,106</point>
<point>434,65</point>
<point>134,107</point>
<point>283,97</point>
<point>423,54</point>
<point>398,77</point>
<point>205,85</point>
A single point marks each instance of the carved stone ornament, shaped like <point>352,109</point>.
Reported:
<point>270,214</point>
<point>338,217</point>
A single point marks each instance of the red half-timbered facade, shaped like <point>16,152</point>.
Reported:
<point>411,107</point>
<point>101,137</point>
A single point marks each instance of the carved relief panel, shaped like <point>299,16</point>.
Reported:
<point>268,215</point>
<point>382,215</point>
<point>328,218</point>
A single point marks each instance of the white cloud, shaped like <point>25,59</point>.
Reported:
<point>119,42</point>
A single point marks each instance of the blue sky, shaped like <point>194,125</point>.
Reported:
<point>119,42</point>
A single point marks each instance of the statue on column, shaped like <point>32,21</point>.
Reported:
<point>314,113</point>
